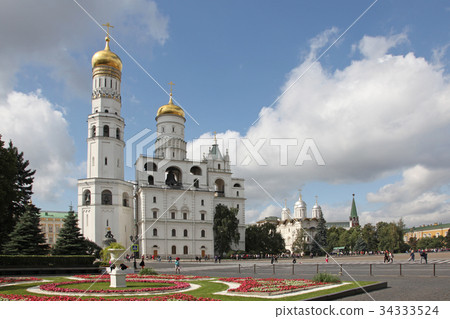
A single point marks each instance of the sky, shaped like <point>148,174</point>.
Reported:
<point>331,97</point>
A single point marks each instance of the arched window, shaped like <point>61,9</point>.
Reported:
<point>185,250</point>
<point>118,133</point>
<point>195,170</point>
<point>185,233</point>
<point>151,180</point>
<point>174,232</point>
<point>94,131</point>
<point>155,232</point>
<point>106,197</point>
<point>125,200</point>
<point>173,176</point>
<point>150,167</point>
<point>155,214</point>
<point>219,188</point>
<point>203,233</point>
<point>87,197</point>
<point>106,130</point>
<point>174,250</point>
<point>237,185</point>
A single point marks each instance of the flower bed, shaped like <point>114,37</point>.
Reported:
<point>173,297</point>
<point>271,286</point>
<point>162,276</point>
<point>4,280</point>
<point>54,287</point>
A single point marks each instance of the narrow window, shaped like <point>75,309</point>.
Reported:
<point>106,161</point>
<point>202,216</point>
<point>218,166</point>
<point>184,215</point>
<point>155,232</point>
<point>185,250</point>
<point>185,233</point>
<point>154,199</point>
<point>155,214</point>
<point>203,202</point>
<point>172,215</point>
<point>203,234</point>
<point>174,232</point>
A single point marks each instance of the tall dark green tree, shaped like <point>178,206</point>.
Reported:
<point>369,234</point>
<point>225,228</point>
<point>16,181</point>
<point>319,243</point>
<point>263,239</point>
<point>27,237</point>
<point>361,244</point>
<point>70,240</point>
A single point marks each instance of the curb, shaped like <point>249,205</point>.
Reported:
<point>350,292</point>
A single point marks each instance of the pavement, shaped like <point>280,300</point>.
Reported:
<point>406,280</point>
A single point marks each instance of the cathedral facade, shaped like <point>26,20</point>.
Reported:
<point>289,225</point>
<point>170,206</point>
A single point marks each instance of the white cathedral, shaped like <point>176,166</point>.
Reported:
<point>170,206</point>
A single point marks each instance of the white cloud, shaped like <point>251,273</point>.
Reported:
<point>373,118</point>
<point>39,129</point>
<point>55,33</point>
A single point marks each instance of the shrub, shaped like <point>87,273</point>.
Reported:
<point>45,261</point>
<point>147,272</point>
<point>104,254</point>
<point>326,277</point>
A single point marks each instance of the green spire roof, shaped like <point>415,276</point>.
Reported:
<point>353,212</point>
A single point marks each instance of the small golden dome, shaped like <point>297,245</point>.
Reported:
<point>170,108</point>
<point>106,57</point>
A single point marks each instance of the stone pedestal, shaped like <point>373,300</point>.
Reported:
<point>117,278</point>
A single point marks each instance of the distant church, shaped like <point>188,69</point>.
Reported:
<point>171,204</point>
<point>289,225</point>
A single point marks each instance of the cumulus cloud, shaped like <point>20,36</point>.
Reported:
<point>54,34</point>
<point>40,130</point>
<point>380,114</point>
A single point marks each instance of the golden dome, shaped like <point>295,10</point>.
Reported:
<point>106,57</point>
<point>170,108</point>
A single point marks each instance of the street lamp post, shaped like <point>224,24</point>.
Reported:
<point>134,240</point>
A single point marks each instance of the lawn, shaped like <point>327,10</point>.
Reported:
<point>207,289</point>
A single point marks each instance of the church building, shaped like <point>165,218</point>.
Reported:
<point>170,206</point>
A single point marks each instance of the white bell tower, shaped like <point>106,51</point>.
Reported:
<point>105,200</point>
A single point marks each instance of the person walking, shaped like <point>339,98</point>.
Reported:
<point>177,265</point>
<point>142,263</point>
<point>411,255</point>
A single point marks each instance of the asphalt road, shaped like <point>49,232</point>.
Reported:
<point>406,280</point>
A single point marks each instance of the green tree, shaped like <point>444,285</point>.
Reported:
<point>390,236</point>
<point>333,235</point>
<point>225,229</point>
<point>70,241</point>
<point>27,238</point>
<point>319,243</point>
<point>447,239</point>
<point>264,239</point>
<point>104,253</point>
<point>369,234</point>
<point>361,245</point>
<point>16,181</point>
<point>299,245</point>
<point>412,242</point>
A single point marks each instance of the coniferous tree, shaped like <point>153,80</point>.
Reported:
<point>27,237</point>
<point>16,181</point>
<point>320,238</point>
<point>70,240</point>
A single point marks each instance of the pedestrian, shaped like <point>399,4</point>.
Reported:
<point>272,259</point>
<point>411,255</point>
<point>142,263</point>
<point>170,259</point>
<point>326,258</point>
<point>386,256</point>
<point>177,265</point>
<point>391,257</point>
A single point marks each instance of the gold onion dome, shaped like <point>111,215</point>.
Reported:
<point>170,108</point>
<point>106,57</point>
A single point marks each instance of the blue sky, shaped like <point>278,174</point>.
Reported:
<point>376,104</point>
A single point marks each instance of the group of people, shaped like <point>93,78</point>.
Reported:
<point>388,257</point>
<point>423,256</point>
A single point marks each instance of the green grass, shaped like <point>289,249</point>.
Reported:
<point>207,290</point>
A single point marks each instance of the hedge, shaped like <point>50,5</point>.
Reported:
<point>21,261</point>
